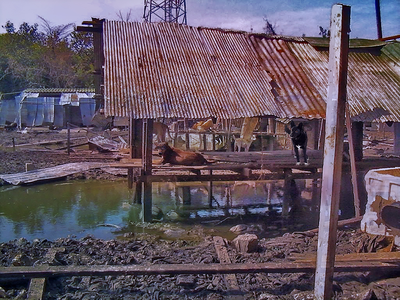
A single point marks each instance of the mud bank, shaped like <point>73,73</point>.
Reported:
<point>147,250</point>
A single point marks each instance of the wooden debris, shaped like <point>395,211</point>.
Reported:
<point>47,142</point>
<point>230,279</point>
<point>103,145</point>
<point>36,286</point>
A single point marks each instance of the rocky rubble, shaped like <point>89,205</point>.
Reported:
<point>144,249</point>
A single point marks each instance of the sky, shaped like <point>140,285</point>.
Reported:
<point>289,17</point>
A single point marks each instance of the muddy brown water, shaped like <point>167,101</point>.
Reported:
<point>106,209</point>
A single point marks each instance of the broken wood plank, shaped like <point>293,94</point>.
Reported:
<point>52,173</point>
<point>47,142</point>
<point>231,282</point>
<point>341,223</point>
<point>174,269</point>
<point>102,144</point>
<point>37,285</point>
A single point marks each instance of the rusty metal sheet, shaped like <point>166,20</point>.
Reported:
<point>164,70</point>
<point>157,70</point>
<point>373,90</point>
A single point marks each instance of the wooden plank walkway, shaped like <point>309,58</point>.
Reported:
<point>228,166</point>
<point>40,175</point>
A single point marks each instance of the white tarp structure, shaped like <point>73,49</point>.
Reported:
<point>31,109</point>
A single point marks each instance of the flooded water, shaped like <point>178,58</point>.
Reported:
<point>105,209</point>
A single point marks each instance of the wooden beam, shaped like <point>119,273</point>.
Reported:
<point>352,163</point>
<point>88,29</point>
<point>147,201</point>
<point>396,146</point>
<point>174,269</point>
<point>231,282</point>
<point>332,166</point>
<point>37,285</point>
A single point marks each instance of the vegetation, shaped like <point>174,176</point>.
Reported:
<point>53,57</point>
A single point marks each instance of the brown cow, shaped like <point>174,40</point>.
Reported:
<point>176,156</point>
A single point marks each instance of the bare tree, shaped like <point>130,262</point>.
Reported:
<point>127,17</point>
<point>269,29</point>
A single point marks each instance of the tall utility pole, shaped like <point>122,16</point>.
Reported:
<point>378,18</point>
<point>172,11</point>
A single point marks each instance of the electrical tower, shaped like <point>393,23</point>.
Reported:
<point>172,11</point>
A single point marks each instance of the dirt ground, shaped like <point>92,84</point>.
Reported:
<point>197,248</point>
<point>28,150</point>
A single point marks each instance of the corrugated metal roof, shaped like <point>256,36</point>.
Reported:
<point>373,84</point>
<point>295,91</point>
<point>166,70</point>
<point>59,90</point>
<point>155,70</point>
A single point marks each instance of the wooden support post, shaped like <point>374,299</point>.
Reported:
<point>316,195</point>
<point>186,129</point>
<point>68,138</point>
<point>396,148</point>
<point>321,142</point>
<point>130,178</point>
<point>131,139</point>
<point>352,163</point>
<point>138,192</point>
<point>287,189</point>
<point>315,132</point>
<point>147,151</point>
<point>187,199</point>
<point>210,191</point>
<point>332,166</point>
<point>357,135</point>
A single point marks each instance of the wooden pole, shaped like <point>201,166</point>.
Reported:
<point>68,138</point>
<point>147,169</point>
<point>332,166</point>
<point>396,147</point>
<point>352,163</point>
<point>378,18</point>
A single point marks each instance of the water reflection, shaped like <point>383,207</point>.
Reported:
<point>98,208</point>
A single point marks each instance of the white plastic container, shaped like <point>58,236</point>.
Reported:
<point>383,188</point>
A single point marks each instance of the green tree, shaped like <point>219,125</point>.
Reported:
<point>57,56</point>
